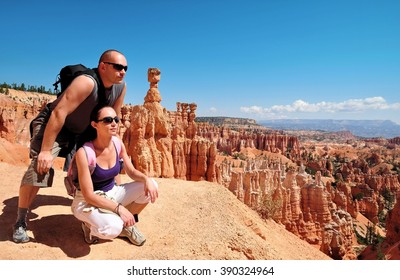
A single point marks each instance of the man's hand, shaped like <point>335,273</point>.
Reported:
<point>44,162</point>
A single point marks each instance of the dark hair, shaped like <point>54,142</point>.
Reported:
<point>90,132</point>
<point>94,115</point>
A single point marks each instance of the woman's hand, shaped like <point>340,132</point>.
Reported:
<point>150,189</point>
<point>126,216</point>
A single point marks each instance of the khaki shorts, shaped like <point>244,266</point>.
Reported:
<point>31,177</point>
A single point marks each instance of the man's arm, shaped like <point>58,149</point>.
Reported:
<point>75,94</point>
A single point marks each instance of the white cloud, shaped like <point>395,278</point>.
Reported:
<point>213,109</point>
<point>347,106</point>
<point>252,109</point>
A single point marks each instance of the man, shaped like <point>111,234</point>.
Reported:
<point>59,124</point>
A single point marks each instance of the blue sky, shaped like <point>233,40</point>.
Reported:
<point>240,58</point>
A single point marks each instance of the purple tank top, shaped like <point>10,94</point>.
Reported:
<point>104,179</point>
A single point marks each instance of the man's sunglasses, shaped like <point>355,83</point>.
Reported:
<point>109,120</point>
<point>116,66</point>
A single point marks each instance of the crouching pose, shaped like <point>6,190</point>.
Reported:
<point>108,210</point>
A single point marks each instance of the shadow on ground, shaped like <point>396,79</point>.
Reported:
<point>59,230</point>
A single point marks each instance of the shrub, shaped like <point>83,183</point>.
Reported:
<point>269,207</point>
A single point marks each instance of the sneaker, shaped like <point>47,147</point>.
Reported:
<point>134,235</point>
<point>89,239</point>
<point>20,234</point>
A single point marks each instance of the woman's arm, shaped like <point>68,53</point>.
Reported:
<point>149,187</point>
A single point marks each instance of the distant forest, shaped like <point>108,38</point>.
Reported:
<point>4,87</point>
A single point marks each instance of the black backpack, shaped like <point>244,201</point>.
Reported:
<point>70,72</point>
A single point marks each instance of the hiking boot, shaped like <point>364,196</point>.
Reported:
<point>89,239</point>
<point>20,234</point>
<point>134,235</point>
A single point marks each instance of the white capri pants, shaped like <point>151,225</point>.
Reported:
<point>109,225</point>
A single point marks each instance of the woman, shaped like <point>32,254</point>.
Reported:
<point>106,209</point>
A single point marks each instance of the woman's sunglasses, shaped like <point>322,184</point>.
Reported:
<point>109,120</point>
<point>118,67</point>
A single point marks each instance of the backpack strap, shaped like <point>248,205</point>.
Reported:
<point>71,180</point>
<point>117,144</point>
<point>90,155</point>
<point>101,91</point>
<point>91,158</point>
